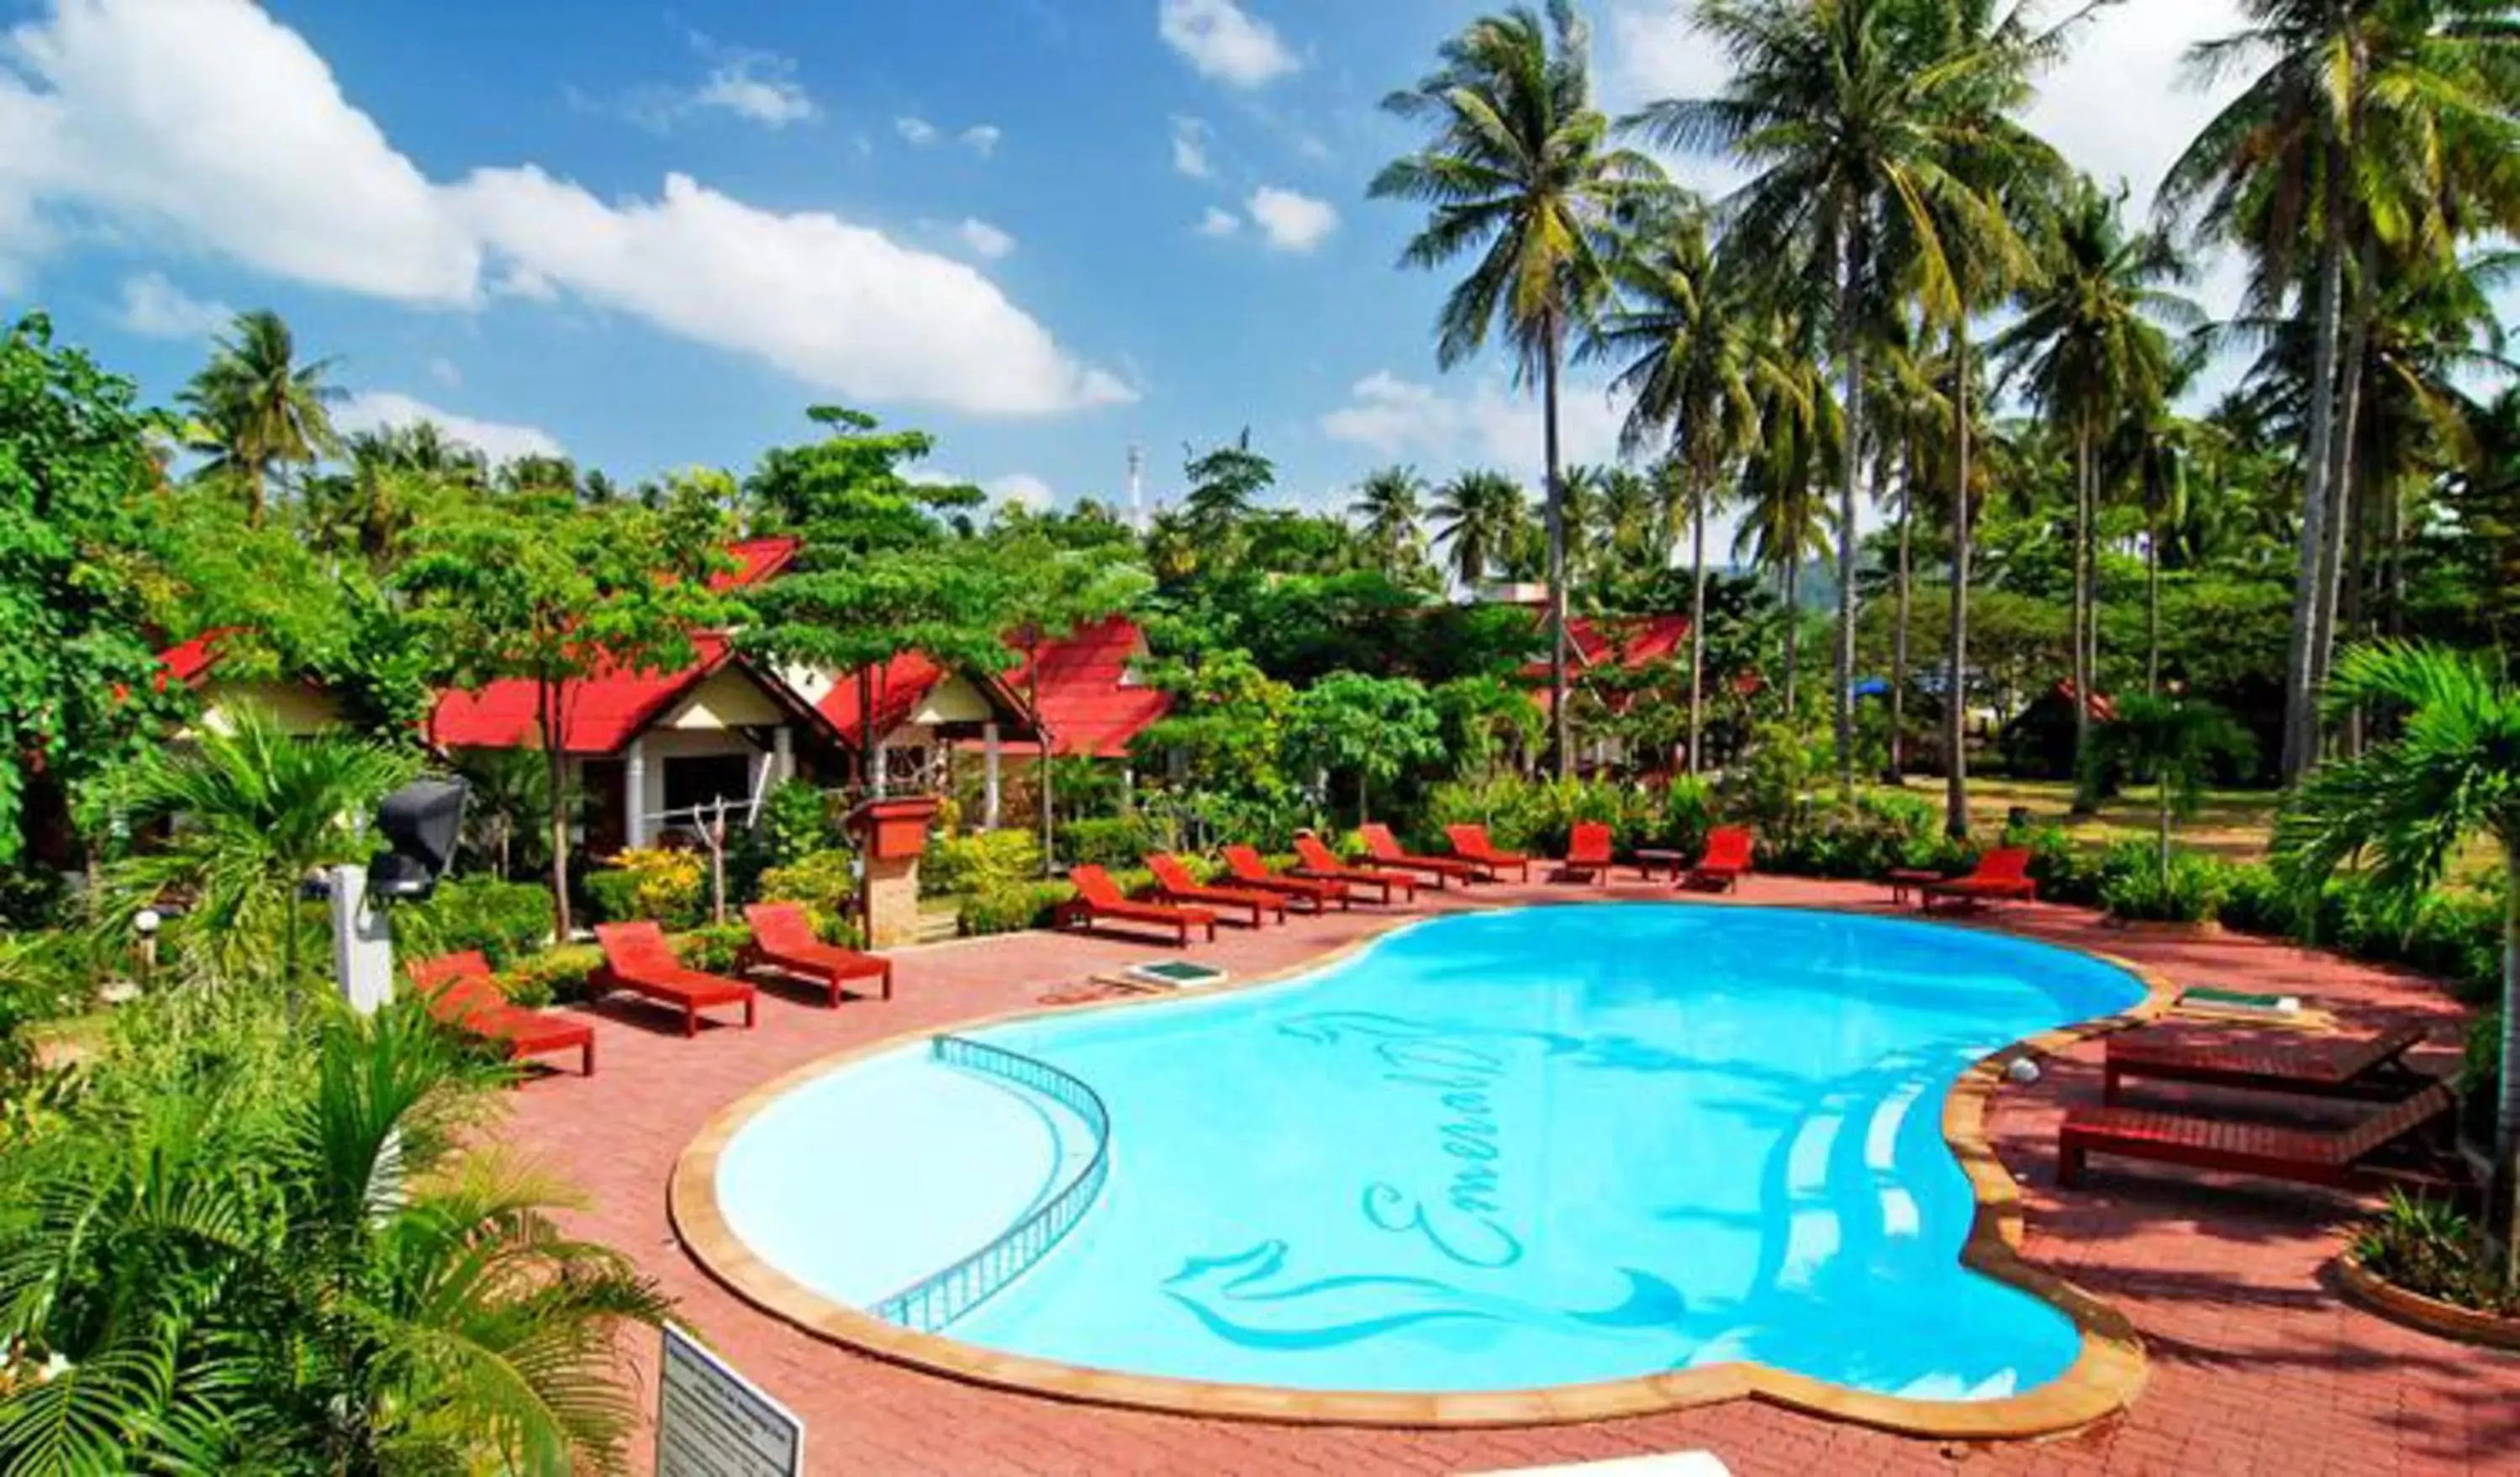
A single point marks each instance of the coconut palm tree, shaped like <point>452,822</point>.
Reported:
<point>2369,123</point>
<point>1518,174</point>
<point>1480,517</point>
<point>1786,517</point>
<point>2410,805</point>
<point>1390,513</point>
<point>258,409</point>
<point>260,1265</point>
<point>254,811</point>
<point>1860,122</point>
<point>2094,344</point>
<point>1226,484</point>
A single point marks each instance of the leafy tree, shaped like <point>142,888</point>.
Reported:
<point>259,811</point>
<point>78,692</point>
<point>541,589</point>
<point>1376,729</point>
<point>258,409</point>
<point>2174,744</point>
<point>2408,806</point>
<point>243,1262</point>
<point>1049,592</point>
<point>1479,516</point>
<point>1521,174</point>
<point>1486,719</point>
<point>1226,485</point>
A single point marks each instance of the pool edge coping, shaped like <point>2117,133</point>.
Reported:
<point>2108,1374</point>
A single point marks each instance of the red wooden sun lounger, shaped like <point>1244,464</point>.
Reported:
<point>1729,851</point>
<point>1098,898</point>
<point>2337,1157</point>
<point>1249,870</point>
<point>783,938</point>
<point>1473,846</point>
<point>1175,882</point>
<point>2001,875</point>
<point>637,958</point>
<point>2373,1066</point>
<point>1588,853</point>
<point>461,992</point>
<point>1384,850</point>
<point>1318,863</point>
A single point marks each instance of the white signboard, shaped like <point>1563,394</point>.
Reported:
<point>713,1423</point>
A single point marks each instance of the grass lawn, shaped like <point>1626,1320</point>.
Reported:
<point>2233,824</point>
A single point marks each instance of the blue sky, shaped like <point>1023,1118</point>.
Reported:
<point>1046,230</point>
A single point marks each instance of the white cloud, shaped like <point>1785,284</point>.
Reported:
<point>838,305</point>
<point>1221,40</point>
<point>982,138</point>
<point>984,240</point>
<point>158,308</point>
<point>1219,222</point>
<point>2118,108</point>
<point>1291,221</point>
<point>915,131</point>
<point>207,124</point>
<point>378,409</point>
<point>1490,424</point>
<point>758,87</point>
<point>444,372</point>
<point>1189,148</point>
<point>1022,489</point>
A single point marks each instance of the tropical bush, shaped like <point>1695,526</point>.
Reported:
<point>255,1248</point>
<point>2136,885</point>
<point>825,881</point>
<point>970,862</point>
<point>1882,831</point>
<point>798,822</point>
<point>2427,1247</point>
<point>1011,906</point>
<point>553,975</point>
<point>1115,841</point>
<point>1539,814</point>
<point>505,920</point>
<point>712,947</point>
<point>652,883</point>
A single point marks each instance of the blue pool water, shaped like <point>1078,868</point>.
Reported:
<point>1498,1151</point>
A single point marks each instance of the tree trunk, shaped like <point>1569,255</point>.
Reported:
<point>1852,456</point>
<point>1955,806</point>
<point>2161,787</point>
<point>2341,498</point>
<point>1558,714</point>
<point>1698,632</point>
<point>1041,740</point>
<point>2301,657</point>
<point>1898,628</point>
<point>1793,633</point>
<point>2152,606</point>
<point>253,493</point>
<point>555,795</point>
<point>2506,1109</point>
<point>2084,616</point>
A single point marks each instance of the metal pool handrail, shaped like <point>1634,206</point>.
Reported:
<point>939,1298</point>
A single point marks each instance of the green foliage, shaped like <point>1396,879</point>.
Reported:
<point>979,862</point>
<point>1488,721</point>
<point>1011,906</point>
<point>505,920</point>
<point>1370,730</point>
<point>1116,841</point>
<point>1539,816</point>
<point>798,820</point>
<point>246,1249</point>
<point>712,948</point>
<point>1881,832</point>
<point>656,884</point>
<point>554,974</point>
<point>2136,887</point>
<point>824,880</point>
<point>2427,1247</point>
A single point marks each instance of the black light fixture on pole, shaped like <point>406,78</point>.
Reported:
<point>421,824</point>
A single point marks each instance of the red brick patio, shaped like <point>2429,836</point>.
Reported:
<point>2257,1365</point>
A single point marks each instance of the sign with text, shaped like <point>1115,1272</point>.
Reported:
<point>713,1423</point>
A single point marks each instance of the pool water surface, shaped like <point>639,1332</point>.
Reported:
<point>1502,1150</point>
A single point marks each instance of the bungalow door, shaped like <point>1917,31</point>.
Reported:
<point>605,804</point>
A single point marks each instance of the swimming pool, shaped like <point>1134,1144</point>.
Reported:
<point>1542,1147</point>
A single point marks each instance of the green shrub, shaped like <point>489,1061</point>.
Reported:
<point>1011,906</point>
<point>1118,841</point>
<point>554,974</point>
<point>825,881</point>
<point>505,920</point>
<point>972,862</point>
<point>2135,889</point>
<point>1883,831</point>
<point>653,884</point>
<point>2065,872</point>
<point>2427,1247</point>
<point>2255,901</point>
<point>797,821</point>
<point>712,947</point>
<point>1539,816</point>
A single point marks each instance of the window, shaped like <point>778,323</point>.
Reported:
<point>693,784</point>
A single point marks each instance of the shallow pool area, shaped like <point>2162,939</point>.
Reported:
<point>1492,1152</point>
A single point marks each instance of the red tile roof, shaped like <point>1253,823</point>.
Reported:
<point>599,714</point>
<point>755,560</point>
<point>1634,641</point>
<point>1086,696</point>
<point>188,662</point>
<point>901,684</point>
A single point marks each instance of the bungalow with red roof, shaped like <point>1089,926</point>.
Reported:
<point>210,665</point>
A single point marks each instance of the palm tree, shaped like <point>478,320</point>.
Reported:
<point>2174,744</point>
<point>1683,331</point>
<point>1390,509</point>
<point>1861,122</point>
<point>1785,517</point>
<point>1629,523</point>
<point>259,408</point>
<point>1479,517</point>
<point>2367,123</point>
<point>1226,484</point>
<point>2408,806</point>
<point>256,1265</point>
<point>2092,345</point>
<point>254,812</point>
<point>1521,174</point>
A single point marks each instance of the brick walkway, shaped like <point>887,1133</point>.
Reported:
<point>2257,1365</point>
